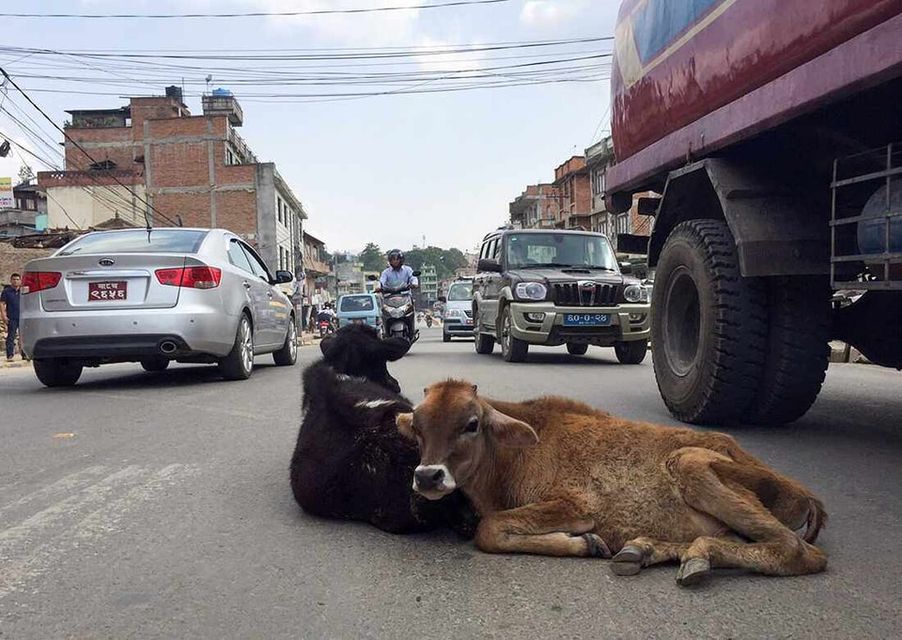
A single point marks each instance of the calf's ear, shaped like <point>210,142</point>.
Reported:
<point>327,345</point>
<point>394,348</point>
<point>508,431</point>
<point>404,422</point>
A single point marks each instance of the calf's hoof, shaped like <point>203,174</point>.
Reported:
<point>693,571</point>
<point>595,546</point>
<point>628,561</point>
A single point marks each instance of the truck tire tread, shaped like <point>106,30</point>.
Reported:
<point>733,364</point>
<point>798,349</point>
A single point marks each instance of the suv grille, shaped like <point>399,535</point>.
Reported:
<point>571,294</point>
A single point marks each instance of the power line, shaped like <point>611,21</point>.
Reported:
<point>252,14</point>
<point>107,200</point>
<point>88,155</point>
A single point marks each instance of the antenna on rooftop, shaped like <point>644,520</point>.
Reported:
<point>209,80</point>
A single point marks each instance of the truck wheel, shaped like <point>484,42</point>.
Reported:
<point>798,349</point>
<point>576,349</point>
<point>446,337</point>
<point>709,325</point>
<point>512,349</point>
<point>631,352</point>
<point>485,344</point>
<point>56,372</point>
<point>239,363</point>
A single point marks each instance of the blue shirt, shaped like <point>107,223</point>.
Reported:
<point>393,278</point>
<point>10,296</point>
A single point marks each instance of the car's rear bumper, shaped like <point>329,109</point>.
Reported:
<point>628,322</point>
<point>128,334</point>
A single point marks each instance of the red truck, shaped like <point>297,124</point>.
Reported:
<point>772,131</point>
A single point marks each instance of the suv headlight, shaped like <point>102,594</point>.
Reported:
<point>531,291</point>
<point>635,293</point>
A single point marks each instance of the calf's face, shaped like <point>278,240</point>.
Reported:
<point>357,350</point>
<point>457,434</point>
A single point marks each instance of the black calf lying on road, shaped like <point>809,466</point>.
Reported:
<point>350,462</point>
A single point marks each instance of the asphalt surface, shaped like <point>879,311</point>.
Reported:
<point>142,505</point>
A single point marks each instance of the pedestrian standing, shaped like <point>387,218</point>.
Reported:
<point>9,311</point>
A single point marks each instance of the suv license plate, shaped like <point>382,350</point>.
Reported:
<point>587,319</point>
<point>112,290</point>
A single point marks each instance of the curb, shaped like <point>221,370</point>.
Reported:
<point>15,364</point>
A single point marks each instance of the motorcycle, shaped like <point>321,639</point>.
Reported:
<point>326,325</point>
<point>398,313</point>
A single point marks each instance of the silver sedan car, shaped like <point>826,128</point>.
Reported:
<point>133,295</point>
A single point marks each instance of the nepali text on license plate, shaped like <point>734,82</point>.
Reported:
<point>587,319</point>
<point>112,290</point>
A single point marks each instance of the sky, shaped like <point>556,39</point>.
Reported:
<point>389,169</point>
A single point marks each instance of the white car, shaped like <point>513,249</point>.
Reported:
<point>133,295</point>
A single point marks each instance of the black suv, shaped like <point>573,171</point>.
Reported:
<point>553,287</point>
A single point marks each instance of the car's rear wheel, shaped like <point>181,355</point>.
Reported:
<point>576,349</point>
<point>287,355</point>
<point>239,363</point>
<point>631,352</point>
<point>484,344</point>
<point>512,349</point>
<point>155,364</point>
<point>57,372</point>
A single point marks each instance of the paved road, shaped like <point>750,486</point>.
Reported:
<point>157,506</point>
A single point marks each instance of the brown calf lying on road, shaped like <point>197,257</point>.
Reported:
<point>556,477</point>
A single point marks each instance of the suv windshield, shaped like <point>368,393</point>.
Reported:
<point>525,250</point>
<point>356,303</point>
<point>460,292</point>
<point>138,241</point>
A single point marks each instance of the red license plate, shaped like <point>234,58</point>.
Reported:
<point>113,290</point>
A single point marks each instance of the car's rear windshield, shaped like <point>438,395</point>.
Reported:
<point>356,303</point>
<point>460,292</point>
<point>138,241</point>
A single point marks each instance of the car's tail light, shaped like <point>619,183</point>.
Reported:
<point>191,277</point>
<point>34,281</point>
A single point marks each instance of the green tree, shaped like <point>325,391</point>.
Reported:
<point>372,257</point>
<point>445,261</point>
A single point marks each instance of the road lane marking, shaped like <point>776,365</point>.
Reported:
<point>64,485</point>
<point>38,544</point>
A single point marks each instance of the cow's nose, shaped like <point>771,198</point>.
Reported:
<point>428,477</point>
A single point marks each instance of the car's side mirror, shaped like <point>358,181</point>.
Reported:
<point>417,274</point>
<point>283,276</point>
<point>442,299</point>
<point>487,264</point>
<point>626,268</point>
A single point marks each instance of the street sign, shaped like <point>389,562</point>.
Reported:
<point>7,201</point>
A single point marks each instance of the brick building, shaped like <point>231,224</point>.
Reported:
<point>571,179</point>
<point>599,157</point>
<point>535,208</point>
<point>195,170</point>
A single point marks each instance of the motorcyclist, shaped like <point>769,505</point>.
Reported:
<point>327,314</point>
<point>399,278</point>
<point>397,275</point>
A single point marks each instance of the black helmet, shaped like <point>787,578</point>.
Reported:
<point>396,253</point>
